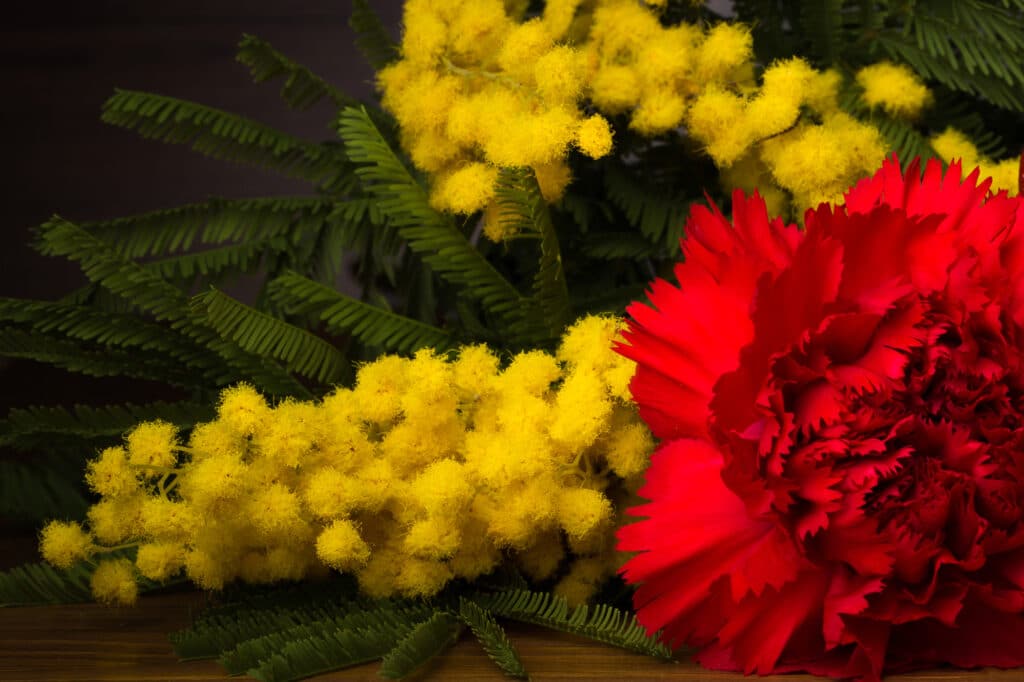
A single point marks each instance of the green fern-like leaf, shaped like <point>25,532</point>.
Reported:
<point>148,292</point>
<point>36,584</point>
<point>343,314</point>
<point>302,88</point>
<point>213,222</point>
<point>403,200</point>
<point>658,218</point>
<point>372,38</point>
<point>616,245</point>
<point>39,583</point>
<point>224,136</point>
<point>823,23</point>
<point>391,621</point>
<point>264,335</point>
<point>602,623</point>
<point>31,491</point>
<point>426,640</point>
<point>524,209</point>
<point>492,638</point>
<point>96,362</point>
<point>28,427</point>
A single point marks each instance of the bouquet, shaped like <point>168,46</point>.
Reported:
<point>674,329</point>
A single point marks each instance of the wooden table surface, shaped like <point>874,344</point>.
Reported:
<point>90,642</point>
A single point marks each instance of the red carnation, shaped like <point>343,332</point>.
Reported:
<point>840,484</point>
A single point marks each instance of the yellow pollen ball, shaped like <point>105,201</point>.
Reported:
<point>113,582</point>
<point>895,88</point>
<point>340,546</point>
<point>64,543</point>
<point>152,444</point>
<point>594,137</point>
<point>465,190</point>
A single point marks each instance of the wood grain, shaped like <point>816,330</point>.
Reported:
<point>103,644</point>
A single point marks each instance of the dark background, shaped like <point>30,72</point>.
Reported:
<point>59,61</point>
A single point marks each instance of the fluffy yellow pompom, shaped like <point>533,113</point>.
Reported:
<point>433,538</point>
<point>660,110</point>
<point>340,546</point>
<point>952,144</point>
<point>442,488</point>
<point>242,409</point>
<point>559,75</point>
<point>717,118</point>
<point>275,511</point>
<point>594,137</point>
<point>113,582</point>
<point>113,520</point>
<point>582,511</point>
<point>110,474</point>
<point>629,449</point>
<point>466,189</point>
<point>474,371</point>
<point>895,88</point>
<point>153,444</point>
<point>64,543</point>
<point>615,88</point>
<point>726,47</point>
<point>209,569</point>
<point>159,561</point>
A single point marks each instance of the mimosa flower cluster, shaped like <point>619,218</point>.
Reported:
<point>425,471</point>
<point>479,86</point>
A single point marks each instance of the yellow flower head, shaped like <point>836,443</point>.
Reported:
<point>582,512</point>
<point>153,444</point>
<point>726,47</point>
<point>64,543</point>
<point>113,582</point>
<point>159,561</point>
<point>895,88</point>
<point>594,137</point>
<point>110,475</point>
<point>466,189</point>
<point>242,409</point>
<point>340,546</point>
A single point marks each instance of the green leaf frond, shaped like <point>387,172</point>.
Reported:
<point>266,336</point>
<point>150,293</point>
<point>359,635</point>
<point>372,38</point>
<point>341,314</point>
<point>616,245</point>
<point>302,88</point>
<point>434,236</point>
<point>822,22</point>
<point>658,218</point>
<point>40,583</point>
<point>492,638</point>
<point>33,425</point>
<point>35,584</point>
<point>33,491</point>
<point>601,622</point>
<point>95,361</point>
<point>213,222</point>
<point>524,209</point>
<point>212,265</point>
<point>225,136</point>
<point>428,639</point>
<point>972,46</point>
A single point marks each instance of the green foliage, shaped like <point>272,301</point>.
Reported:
<point>36,491</point>
<point>524,210</point>
<point>372,38</point>
<point>302,88</point>
<point>426,640</point>
<point>601,622</point>
<point>262,335</point>
<point>39,583</point>
<point>32,427</point>
<point>341,314</point>
<point>492,638</point>
<point>224,136</point>
<point>402,199</point>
